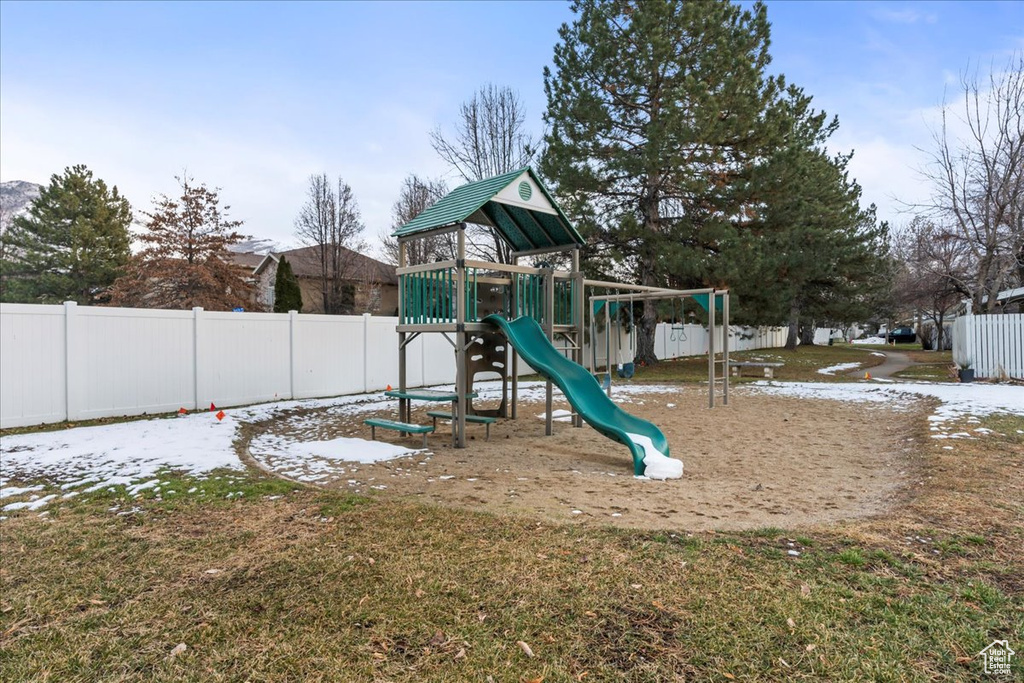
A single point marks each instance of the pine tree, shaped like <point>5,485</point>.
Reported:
<point>812,254</point>
<point>185,261</point>
<point>72,244</point>
<point>287,294</point>
<point>658,113</point>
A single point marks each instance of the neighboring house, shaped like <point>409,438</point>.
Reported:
<point>1007,301</point>
<point>375,283</point>
<point>247,262</point>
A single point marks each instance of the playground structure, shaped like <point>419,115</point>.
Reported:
<point>493,314</point>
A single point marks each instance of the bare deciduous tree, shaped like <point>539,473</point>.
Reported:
<point>489,139</point>
<point>932,275</point>
<point>330,221</point>
<point>417,195</point>
<point>978,180</point>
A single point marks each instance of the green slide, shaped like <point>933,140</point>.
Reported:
<point>586,396</point>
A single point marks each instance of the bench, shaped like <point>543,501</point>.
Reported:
<point>403,427</point>
<point>478,419</point>
<point>769,368</point>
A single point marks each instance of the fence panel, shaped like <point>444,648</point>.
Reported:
<point>438,359</point>
<point>32,365</point>
<point>382,355</point>
<point>991,344</point>
<point>242,357</point>
<point>129,361</point>
<point>327,355</point>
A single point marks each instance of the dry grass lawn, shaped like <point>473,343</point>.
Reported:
<point>295,583</point>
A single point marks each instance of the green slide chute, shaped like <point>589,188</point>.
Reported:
<point>643,439</point>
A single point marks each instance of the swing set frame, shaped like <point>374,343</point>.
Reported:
<point>716,299</point>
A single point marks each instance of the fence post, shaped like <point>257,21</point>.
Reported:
<point>72,402</point>
<point>366,352</point>
<point>292,320</point>
<point>196,315</point>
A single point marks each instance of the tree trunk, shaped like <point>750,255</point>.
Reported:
<point>645,352</point>
<point>651,211</point>
<point>807,334</point>
<point>794,327</point>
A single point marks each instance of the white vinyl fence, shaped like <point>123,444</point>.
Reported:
<point>76,362</point>
<point>991,344</point>
<point>679,341</point>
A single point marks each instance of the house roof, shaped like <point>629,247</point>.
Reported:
<point>1003,298</point>
<point>305,262</point>
<point>246,259</point>
<point>516,204</point>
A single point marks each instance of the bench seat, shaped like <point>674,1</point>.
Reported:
<point>769,368</point>
<point>404,427</point>
<point>478,419</point>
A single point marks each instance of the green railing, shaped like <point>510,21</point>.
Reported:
<point>428,297</point>
<point>530,298</point>
<point>565,302</point>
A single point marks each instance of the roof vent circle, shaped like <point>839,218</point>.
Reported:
<point>525,191</point>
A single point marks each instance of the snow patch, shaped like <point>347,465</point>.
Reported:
<point>958,400</point>
<point>833,369</point>
<point>349,450</point>
<point>9,491</point>
<point>657,465</point>
<point>30,505</point>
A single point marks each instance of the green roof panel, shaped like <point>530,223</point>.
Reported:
<point>525,218</point>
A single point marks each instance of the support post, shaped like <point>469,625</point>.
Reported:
<point>608,344</point>
<point>459,419</point>
<point>549,329</point>
<point>403,403</point>
<point>73,382</point>
<point>197,373</point>
<point>579,320</point>
<point>292,352</point>
<point>711,350</point>
<point>725,347</point>
<point>514,299</point>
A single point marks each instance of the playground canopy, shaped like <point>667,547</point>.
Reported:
<point>516,204</point>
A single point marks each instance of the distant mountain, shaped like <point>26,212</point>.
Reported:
<point>15,197</point>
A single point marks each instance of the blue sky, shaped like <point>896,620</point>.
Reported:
<point>255,97</point>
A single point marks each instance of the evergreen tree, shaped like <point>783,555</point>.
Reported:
<point>72,244</point>
<point>812,254</point>
<point>287,295</point>
<point>659,112</point>
<point>185,261</point>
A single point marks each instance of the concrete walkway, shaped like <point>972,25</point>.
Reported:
<point>894,362</point>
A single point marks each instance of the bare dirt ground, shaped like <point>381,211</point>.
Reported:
<point>762,461</point>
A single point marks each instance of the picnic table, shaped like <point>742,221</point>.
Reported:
<point>434,395</point>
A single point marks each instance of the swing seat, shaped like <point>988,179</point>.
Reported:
<point>626,370</point>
